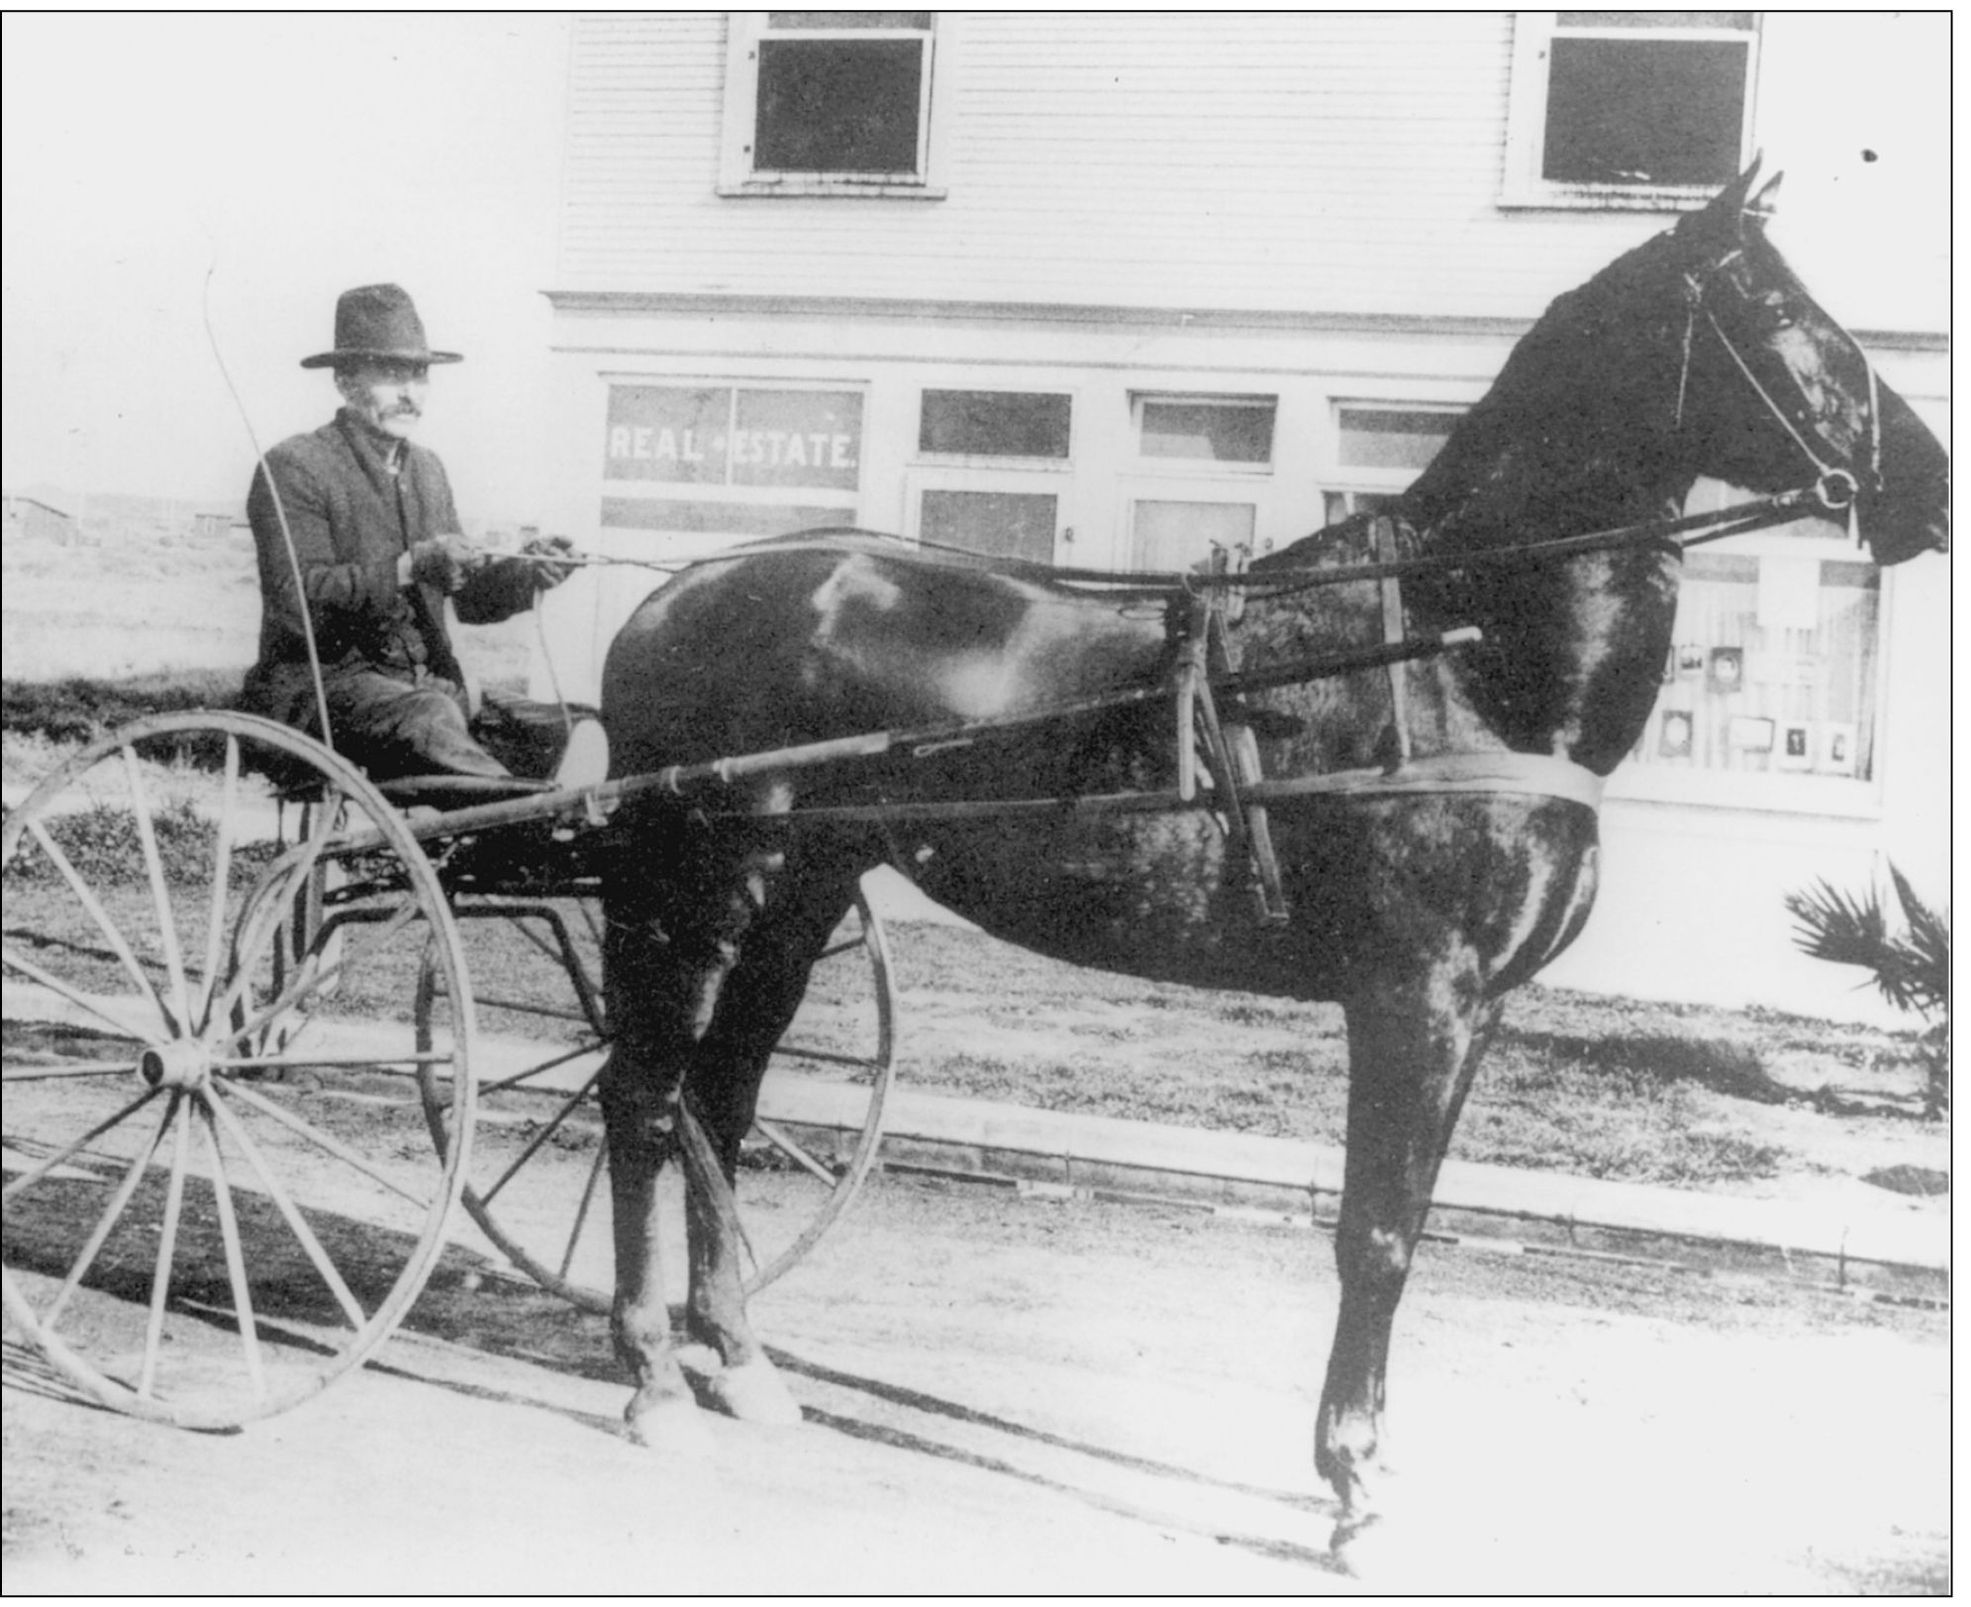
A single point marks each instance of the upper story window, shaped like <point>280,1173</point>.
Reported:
<point>829,103</point>
<point>1640,109</point>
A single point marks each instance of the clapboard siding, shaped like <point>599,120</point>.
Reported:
<point>1315,162</point>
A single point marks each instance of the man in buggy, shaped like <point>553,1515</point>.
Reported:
<point>365,518</point>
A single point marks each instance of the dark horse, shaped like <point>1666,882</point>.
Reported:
<point>1415,905</point>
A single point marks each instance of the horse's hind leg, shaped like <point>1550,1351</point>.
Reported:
<point>806,900</point>
<point>669,946</point>
<point>1414,1045</point>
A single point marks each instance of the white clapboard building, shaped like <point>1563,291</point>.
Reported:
<point>1107,288</point>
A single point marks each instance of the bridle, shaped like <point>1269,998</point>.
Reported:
<point>1837,490</point>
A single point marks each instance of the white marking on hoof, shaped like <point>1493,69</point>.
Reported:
<point>754,1393</point>
<point>672,1427</point>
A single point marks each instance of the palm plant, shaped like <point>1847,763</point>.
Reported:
<point>1911,964</point>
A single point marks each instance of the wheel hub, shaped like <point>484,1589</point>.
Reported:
<point>181,1063</point>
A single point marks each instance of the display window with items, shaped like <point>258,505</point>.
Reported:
<point>1769,696</point>
<point>1773,666</point>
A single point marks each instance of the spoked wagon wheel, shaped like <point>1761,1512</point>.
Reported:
<point>219,1188</point>
<point>539,1187</point>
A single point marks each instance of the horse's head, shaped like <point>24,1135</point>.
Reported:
<point>1776,394</point>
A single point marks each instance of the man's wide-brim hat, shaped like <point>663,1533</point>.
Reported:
<point>377,323</point>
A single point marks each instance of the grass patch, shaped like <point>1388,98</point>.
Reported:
<point>103,845</point>
<point>1610,1113</point>
<point>1733,1069</point>
<point>80,708</point>
<point>1601,1087</point>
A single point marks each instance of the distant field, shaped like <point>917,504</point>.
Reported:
<point>140,606</point>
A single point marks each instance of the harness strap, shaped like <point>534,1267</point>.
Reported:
<point>1383,536</point>
<point>1786,423</point>
<point>1529,775</point>
<point>1236,763</point>
<point>1191,625</point>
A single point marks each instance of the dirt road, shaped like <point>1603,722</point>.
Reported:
<point>1024,1395</point>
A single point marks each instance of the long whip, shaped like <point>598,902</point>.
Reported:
<point>280,513</point>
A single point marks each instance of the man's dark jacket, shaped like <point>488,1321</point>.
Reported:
<point>350,519</point>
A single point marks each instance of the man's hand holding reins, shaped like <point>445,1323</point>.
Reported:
<point>543,550</point>
<point>443,562</point>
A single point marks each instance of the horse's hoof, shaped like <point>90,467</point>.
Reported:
<point>1361,1548</point>
<point>673,1425</point>
<point>1400,1557</point>
<point>753,1393</point>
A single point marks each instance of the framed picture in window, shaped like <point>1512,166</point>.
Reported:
<point>1795,749</point>
<point>1835,755</point>
<point>1674,739</point>
<point>1750,733</point>
<point>1726,669</point>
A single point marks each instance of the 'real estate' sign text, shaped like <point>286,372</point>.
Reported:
<point>733,435</point>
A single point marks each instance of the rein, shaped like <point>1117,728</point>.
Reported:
<point>1833,492</point>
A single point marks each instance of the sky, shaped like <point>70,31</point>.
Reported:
<point>275,161</point>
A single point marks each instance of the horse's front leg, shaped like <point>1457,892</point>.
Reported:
<point>1414,1044</point>
<point>641,1126</point>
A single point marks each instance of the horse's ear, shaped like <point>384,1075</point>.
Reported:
<point>1721,223</point>
<point>1735,195</point>
<point>1765,203</point>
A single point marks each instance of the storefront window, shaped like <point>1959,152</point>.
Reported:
<point>730,460</point>
<point>1212,429</point>
<point>1380,447</point>
<point>994,524</point>
<point>998,424</point>
<point>739,436</point>
<point>1169,535</point>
